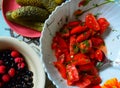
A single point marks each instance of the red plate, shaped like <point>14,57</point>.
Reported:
<point>8,5</point>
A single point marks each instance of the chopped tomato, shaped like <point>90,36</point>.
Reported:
<point>77,48</point>
<point>80,59</point>
<point>91,22</point>
<point>74,23</point>
<point>85,46</point>
<point>72,44</point>
<point>72,74</point>
<point>104,24</point>
<point>83,36</point>
<point>95,79</point>
<point>99,55</point>
<point>78,29</point>
<point>61,68</point>
<point>86,67</point>
<point>97,41</point>
<point>84,83</point>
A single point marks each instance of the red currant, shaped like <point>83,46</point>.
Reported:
<point>15,53</point>
<point>5,77</point>
<point>11,72</point>
<point>2,69</point>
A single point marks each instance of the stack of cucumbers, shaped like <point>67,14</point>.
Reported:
<point>33,13</point>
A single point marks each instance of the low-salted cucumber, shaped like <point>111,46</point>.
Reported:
<point>30,13</point>
<point>37,3</point>
<point>38,26</point>
<point>50,5</point>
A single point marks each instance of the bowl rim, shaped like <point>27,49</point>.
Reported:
<point>27,47</point>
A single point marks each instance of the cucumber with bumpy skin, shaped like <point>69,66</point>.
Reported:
<point>37,3</point>
<point>38,26</point>
<point>30,13</point>
<point>50,5</point>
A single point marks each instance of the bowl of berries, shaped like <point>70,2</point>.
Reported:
<point>80,44</point>
<point>20,66</point>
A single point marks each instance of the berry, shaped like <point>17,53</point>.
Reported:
<point>1,62</point>
<point>14,53</point>
<point>13,67</point>
<point>5,77</point>
<point>2,69</point>
<point>21,65</point>
<point>11,72</point>
<point>18,59</point>
<point>1,83</point>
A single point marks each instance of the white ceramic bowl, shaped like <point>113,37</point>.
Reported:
<point>58,18</point>
<point>31,57</point>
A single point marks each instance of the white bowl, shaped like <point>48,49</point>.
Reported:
<point>58,18</point>
<point>32,59</point>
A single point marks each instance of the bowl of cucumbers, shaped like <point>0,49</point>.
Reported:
<point>27,17</point>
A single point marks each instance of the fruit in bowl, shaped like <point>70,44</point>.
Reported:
<point>20,66</point>
<point>75,41</point>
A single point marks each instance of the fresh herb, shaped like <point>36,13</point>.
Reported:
<point>76,48</point>
<point>99,64</point>
<point>80,12</point>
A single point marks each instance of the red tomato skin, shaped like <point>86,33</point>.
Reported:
<point>85,46</point>
<point>83,36</point>
<point>83,83</point>
<point>72,43</point>
<point>86,67</point>
<point>72,74</point>
<point>73,23</point>
<point>91,22</point>
<point>97,41</point>
<point>104,24</point>
<point>97,86</point>
<point>95,79</point>
<point>80,59</point>
<point>78,29</point>
<point>61,68</point>
<point>99,55</point>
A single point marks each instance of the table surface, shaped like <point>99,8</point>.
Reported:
<point>6,31</point>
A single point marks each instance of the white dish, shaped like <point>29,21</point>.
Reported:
<point>31,57</point>
<point>56,20</point>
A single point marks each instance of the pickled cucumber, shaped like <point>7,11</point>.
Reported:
<point>50,5</point>
<point>59,1</point>
<point>37,3</point>
<point>38,26</point>
<point>30,13</point>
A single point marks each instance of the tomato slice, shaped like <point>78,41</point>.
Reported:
<point>99,55</point>
<point>78,29</point>
<point>104,24</point>
<point>72,74</point>
<point>91,22</point>
<point>85,46</point>
<point>84,83</point>
<point>80,59</point>
<point>84,36</point>
<point>97,41</point>
<point>73,24</point>
<point>61,68</point>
